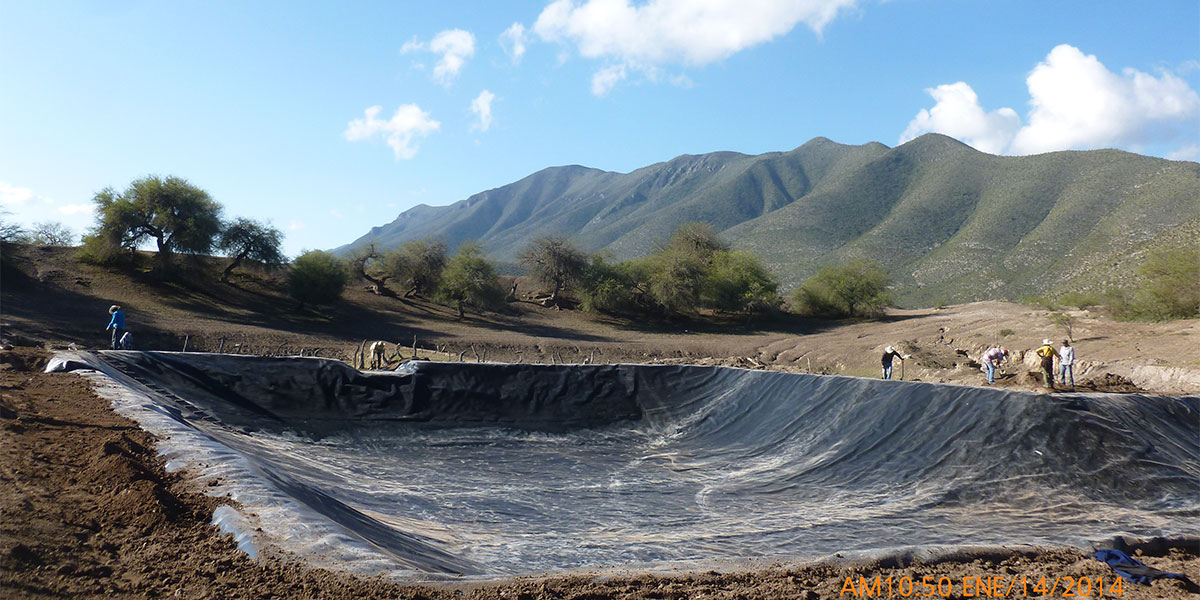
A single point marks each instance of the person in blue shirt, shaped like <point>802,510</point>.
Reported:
<point>117,325</point>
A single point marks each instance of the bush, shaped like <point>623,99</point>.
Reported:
<point>606,287</point>
<point>737,282</point>
<point>857,289</point>
<point>317,278</point>
<point>469,279</point>
<point>1169,289</point>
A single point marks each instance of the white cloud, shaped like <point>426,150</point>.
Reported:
<point>661,32</point>
<point>333,212</point>
<point>513,42</point>
<point>455,46</point>
<point>412,46</point>
<point>77,209</point>
<point>959,115</point>
<point>482,107</point>
<point>402,132</point>
<point>295,225</point>
<point>605,79</point>
<point>1188,152</point>
<point>12,196</point>
<point>1076,103</point>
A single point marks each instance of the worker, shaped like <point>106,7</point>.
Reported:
<point>1047,353</point>
<point>991,361</point>
<point>889,354</point>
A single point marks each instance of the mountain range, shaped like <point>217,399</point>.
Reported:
<point>948,223</point>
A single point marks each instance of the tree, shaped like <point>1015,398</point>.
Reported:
<point>469,279</point>
<point>11,233</point>
<point>52,233</point>
<point>418,265</point>
<point>317,277</point>
<point>675,273</point>
<point>177,215</point>
<point>244,239</point>
<point>554,262</point>
<point>738,282</point>
<point>365,263</point>
<point>856,289</point>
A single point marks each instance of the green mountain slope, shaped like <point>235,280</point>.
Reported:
<point>949,223</point>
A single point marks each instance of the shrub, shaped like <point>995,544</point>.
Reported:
<point>1169,288</point>
<point>317,277</point>
<point>605,287</point>
<point>738,282</point>
<point>469,279</point>
<point>857,289</point>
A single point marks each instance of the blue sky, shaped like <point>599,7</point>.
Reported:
<point>269,106</point>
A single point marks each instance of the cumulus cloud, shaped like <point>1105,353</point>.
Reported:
<point>1076,103</point>
<point>959,115</point>
<point>12,196</point>
<point>513,42</point>
<point>662,32</point>
<point>482,107</point>
<point>456,47</point>
<point>402,132</point>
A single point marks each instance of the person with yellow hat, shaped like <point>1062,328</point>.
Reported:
<point>1047,354</point>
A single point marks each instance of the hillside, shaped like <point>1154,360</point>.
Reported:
<point>949,223</point>
<point>51,300</point>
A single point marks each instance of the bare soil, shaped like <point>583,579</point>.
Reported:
<point>87,508</point>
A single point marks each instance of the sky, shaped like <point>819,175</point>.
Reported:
<point>325,119</point>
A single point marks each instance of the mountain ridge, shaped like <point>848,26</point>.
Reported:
<point>948,222</point>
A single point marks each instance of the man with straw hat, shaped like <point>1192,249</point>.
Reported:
<point>889,354</point>
<point>1047,354</point>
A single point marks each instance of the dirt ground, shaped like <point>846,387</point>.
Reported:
<point>88,510</point>
<point>53,301</point>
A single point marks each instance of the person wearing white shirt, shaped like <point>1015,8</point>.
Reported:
<point>1066,361</point>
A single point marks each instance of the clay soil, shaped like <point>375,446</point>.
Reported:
<point>88,510</point>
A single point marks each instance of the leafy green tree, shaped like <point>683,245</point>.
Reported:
<point>856,289</point>
<point>737,282</point>
<point>317,277</point>
<point>418,265</point>
<point>554,262</point>
<point>177,215</point>
<point>243,239</point>
<point>469,279</point>
<point>675,273</point>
